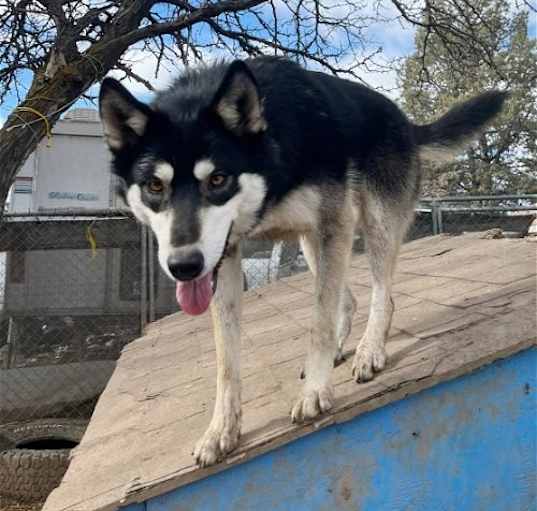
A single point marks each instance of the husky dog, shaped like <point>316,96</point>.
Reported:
<point>265,148</point>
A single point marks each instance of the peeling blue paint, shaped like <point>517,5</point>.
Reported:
<point>469,444</point>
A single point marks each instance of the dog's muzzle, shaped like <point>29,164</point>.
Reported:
<point>193,293</point>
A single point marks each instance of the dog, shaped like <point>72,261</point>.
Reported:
<point>265,148</point>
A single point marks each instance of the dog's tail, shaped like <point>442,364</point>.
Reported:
<point>443,139</point>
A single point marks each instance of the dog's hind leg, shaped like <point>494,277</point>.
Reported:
<point>347,303</point>
<point>384,224</point>
<point>344,324</point>
<point>223,433</point>
<point>331,249</point>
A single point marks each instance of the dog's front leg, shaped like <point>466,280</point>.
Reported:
<point>331,248</point>
<point>223,433</point>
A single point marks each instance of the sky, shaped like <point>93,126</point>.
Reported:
<point>396,38</point>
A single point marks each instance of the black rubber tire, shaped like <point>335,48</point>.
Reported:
<point>29,475</point>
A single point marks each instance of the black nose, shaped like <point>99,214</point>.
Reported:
<point>186,266</point>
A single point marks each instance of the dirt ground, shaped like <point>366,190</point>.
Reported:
<point>10,505</point>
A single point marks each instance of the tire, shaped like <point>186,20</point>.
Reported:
<point>29,473</point>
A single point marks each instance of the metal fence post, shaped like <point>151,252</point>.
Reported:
<point>143,278</point>
<point>151,275</point>
<point>10,344</point>
<point>434,209</point>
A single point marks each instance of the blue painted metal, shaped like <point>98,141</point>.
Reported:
<point>465,445</point>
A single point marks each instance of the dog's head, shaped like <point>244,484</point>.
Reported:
<point>190,177</point>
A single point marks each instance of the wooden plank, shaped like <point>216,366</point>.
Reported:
<point>160,398</point>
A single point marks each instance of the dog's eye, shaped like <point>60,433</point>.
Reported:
<point>155,185</point>
<point>217,180</point>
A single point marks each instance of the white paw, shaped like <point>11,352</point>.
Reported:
<point>221,437</point>
<point>313,403</point>
<point>368,359</point>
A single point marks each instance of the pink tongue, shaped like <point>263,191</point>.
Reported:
<point>195,296</point>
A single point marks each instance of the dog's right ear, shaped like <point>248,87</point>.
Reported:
<point>124,118</point>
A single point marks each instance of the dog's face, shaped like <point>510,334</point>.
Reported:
<point>191,180</point>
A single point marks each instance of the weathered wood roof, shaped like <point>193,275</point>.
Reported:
<point>461,302</point>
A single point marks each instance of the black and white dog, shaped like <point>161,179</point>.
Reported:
<point>264,148</point>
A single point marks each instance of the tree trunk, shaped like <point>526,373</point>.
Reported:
<point>52,95</point>
<point>24,129</point>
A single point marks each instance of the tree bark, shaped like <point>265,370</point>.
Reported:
<point>55,88</point>
<point>24,129</point>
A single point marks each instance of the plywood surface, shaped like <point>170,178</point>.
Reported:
<point>461,302</point>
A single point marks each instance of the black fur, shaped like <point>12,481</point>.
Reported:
<point>319,129</point>
<point>462,121</point>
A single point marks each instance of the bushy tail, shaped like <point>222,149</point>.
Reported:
<point>448,136</point>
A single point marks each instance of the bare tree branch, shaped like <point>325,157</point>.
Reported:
<point>134,76</point>
<point>65,46</point>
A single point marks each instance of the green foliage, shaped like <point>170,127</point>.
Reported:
<point>442,72</point>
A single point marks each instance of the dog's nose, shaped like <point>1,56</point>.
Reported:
<point>186,266</point>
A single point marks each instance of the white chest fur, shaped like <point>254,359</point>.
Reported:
<point>295,214</point>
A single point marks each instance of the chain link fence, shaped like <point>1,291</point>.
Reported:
<point>70,298</point>
<point>77,286</point>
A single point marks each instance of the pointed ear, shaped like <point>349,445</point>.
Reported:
<point>237,102</point>
<point>124,118</point>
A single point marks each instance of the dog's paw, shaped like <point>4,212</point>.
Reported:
<point>312,403</point>
<point>221,437</point>
<point>368,359</point>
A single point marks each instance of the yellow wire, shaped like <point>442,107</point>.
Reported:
<point>90,236</point>
<point>41,116</point>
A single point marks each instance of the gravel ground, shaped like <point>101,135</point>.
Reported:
<point>10,505</point>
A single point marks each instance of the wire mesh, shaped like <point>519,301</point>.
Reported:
<point>70,301</point>
<point>76,287</point>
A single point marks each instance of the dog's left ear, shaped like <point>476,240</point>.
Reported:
<point>237,102</point>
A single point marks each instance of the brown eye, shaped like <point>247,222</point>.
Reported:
<point>217,180</point>
<point>155,185</point>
